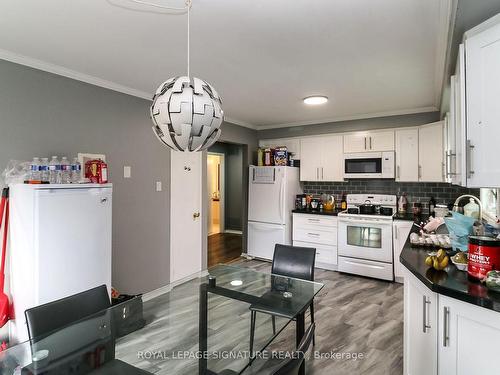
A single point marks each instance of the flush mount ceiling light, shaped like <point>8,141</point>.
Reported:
<point>186,111</point>
<point>315,100</point>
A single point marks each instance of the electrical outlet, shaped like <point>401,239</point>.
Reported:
<point>158,186</point>
<point>127,171</point>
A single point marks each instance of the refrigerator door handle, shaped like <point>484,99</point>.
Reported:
<point>281,199</point>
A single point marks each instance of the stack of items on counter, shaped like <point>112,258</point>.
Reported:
<point>278,156</point>
<point>324,202</point>
<point>55,171</point>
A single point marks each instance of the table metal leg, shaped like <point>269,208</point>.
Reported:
<point>300,330</point>
<point>203,330</point>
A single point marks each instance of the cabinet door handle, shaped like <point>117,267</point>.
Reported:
<point>313,234</point>
<point>365,143</point>
<point>468,156</point>
<point>425,324</point>
<point>446,325</point>
<point>370,143</point>
<point>396,233</point>
<point>317,173</point>
<point>397,172</point>
<point>322,173</point>
<point>419,172</point>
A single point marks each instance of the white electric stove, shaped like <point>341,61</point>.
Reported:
<point>365,240</point>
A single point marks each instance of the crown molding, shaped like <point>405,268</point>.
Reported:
<point>350,118</point>
<point>65,72</point>
<point>240,123</point>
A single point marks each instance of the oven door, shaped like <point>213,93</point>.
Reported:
<point>365,239</point>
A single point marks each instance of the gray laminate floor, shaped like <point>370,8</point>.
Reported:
<point>354,316</point>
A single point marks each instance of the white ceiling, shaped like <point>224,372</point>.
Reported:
<point>370,57</point>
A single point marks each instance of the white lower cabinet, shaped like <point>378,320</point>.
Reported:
<point>446,336</point>
<point>420,328</point>
<point>319,232</point>
<point>400,232</point>
<point>468,338</point>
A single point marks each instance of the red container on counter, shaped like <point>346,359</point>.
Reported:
<point>484,256</point>
<point>96,171</point>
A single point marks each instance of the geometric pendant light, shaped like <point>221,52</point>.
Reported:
<point>187,111</point>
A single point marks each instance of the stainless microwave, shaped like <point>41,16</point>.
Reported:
<point>369,165</point>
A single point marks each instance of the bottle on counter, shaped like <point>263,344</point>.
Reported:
<point>54,171</point>
<point>35,169</point>
<point>76,171</point>
<point>65,171</point>
<point>402,204</point>
<point>44,170</point>
<point>432,207</point>
<point>343,202</point>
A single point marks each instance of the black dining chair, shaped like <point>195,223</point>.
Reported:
<point>288,261</point>
<point>292,364</point>
<point>88,308</point>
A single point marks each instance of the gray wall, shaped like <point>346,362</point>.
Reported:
<point>42,114</point>
<point>353,125</point>
<point>233,183</point>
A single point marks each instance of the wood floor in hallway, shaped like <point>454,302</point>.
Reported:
<point>224,248</point>
<point>353,315</point>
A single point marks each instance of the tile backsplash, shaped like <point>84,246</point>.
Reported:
<point>415,191</point>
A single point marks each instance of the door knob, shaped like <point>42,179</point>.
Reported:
<point>195,215</point>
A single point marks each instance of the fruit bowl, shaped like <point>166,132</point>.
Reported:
<point>459,265</point>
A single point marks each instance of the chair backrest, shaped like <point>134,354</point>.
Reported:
<point>55,315</point>
<point>294,261</point>
<point>292,365</point>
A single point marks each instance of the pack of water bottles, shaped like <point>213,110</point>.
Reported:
<point>55,171</point>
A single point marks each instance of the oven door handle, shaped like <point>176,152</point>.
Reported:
<point>365,222</point>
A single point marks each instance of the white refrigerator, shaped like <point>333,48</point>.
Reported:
<point>271,199</point>
<point>60,244</point>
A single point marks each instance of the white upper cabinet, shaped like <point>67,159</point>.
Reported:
<point>292,144</point>
<point>310,159</point>
<point>459,160</point>
<point>332,158</point>
<point>381,141</point>
<point>321,158</point>
<point>483,109</point>
<point>407,155</point>
<point>369,141</point>
<point>357,142</point>
<point>430,152</point>
<point>450,151</point>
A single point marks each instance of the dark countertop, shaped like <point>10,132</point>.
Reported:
<point>317,212</point>
<point>450,282</point>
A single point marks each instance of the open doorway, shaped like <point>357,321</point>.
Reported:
<point>225,202</point>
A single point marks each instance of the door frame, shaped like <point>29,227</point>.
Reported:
<point>222,190</point>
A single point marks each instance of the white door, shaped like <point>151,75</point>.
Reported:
<point>381,141</point>
<point>185,214</point>
<point>407,155</point>
<point>430,152</point>
<point>262,237</point>
<point>483,111</point>
<point>79,220</point>
<point>400,231</point>
<point>466,332</point>
<point>420,328</point>
<point>332,158</point>
<point>357,142</point>
<point>460,132</point>
<point>310,159</point>
<point>266,194</point>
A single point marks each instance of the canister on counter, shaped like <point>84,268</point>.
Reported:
<point>484,256</point>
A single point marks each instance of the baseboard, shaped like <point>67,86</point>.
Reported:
<point>167,288</point>
<point>232,231</point>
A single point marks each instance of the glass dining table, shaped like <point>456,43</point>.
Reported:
<point>201,326</point>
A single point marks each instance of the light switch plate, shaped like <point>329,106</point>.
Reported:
<point>158,186</point>
<point>127,171</point>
